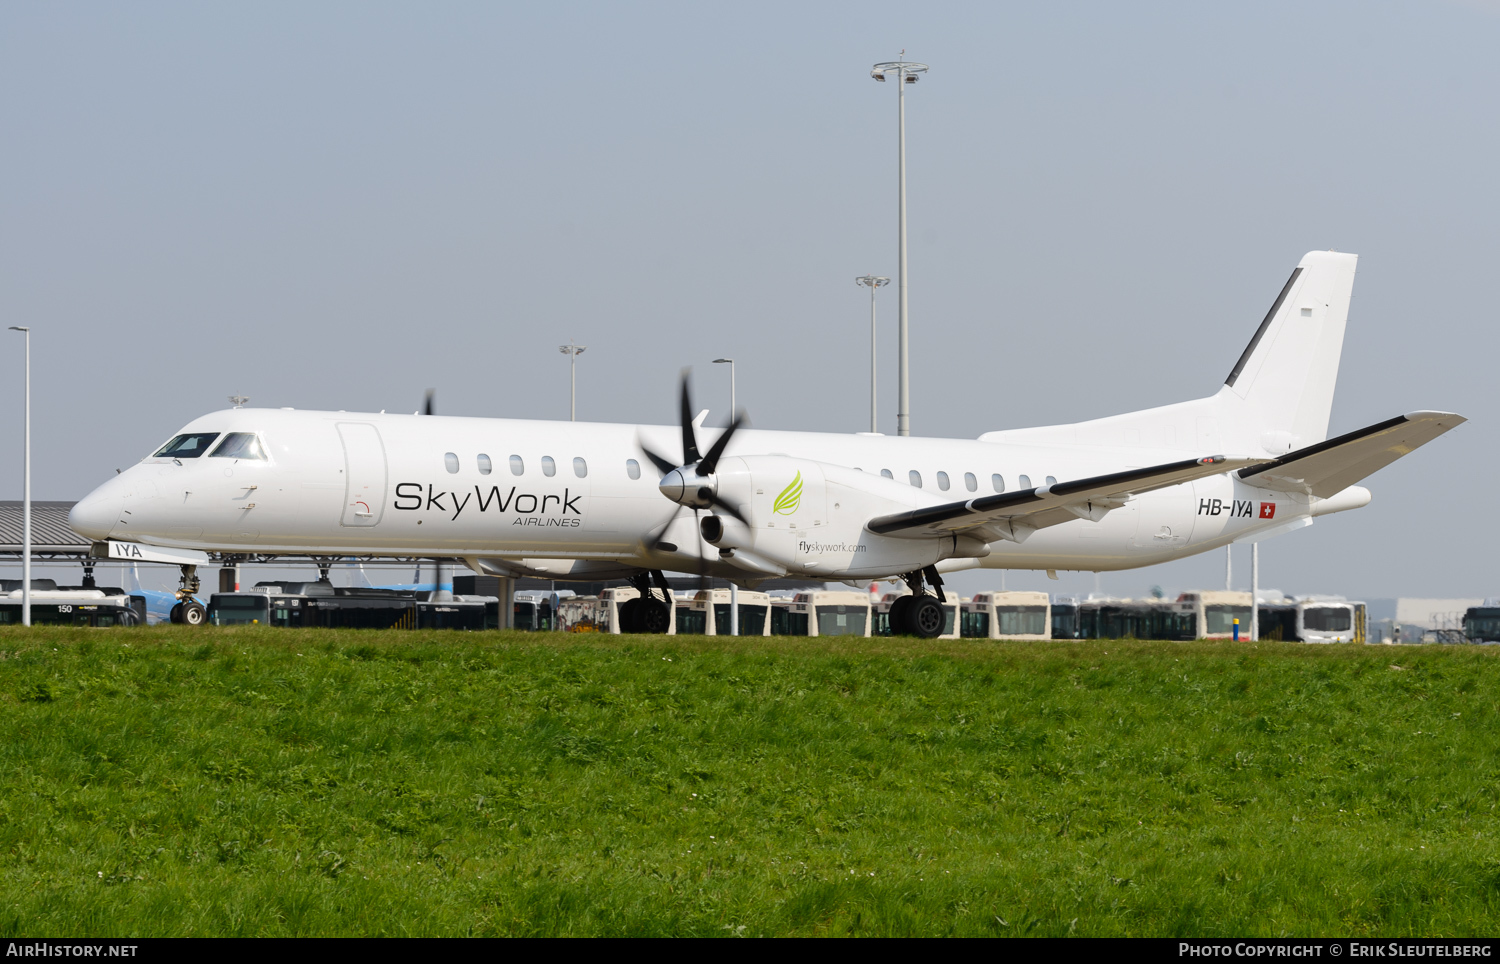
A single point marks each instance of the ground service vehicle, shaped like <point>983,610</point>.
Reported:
<point>822,613</point>
<point>1008,615</point>
<point>309,604</point>
<point>706,612</point>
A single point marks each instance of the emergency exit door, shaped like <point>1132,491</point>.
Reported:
<point>364,474</point>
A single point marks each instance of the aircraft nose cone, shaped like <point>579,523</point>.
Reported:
<point>673,486</point>
<point>96,515</point>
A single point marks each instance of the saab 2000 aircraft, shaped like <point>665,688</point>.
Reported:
<point>575,500</point>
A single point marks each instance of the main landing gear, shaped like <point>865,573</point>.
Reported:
<point>188,611</point>
<point>647,614</point>
<point>920,614</point>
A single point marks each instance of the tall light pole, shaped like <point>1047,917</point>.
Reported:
<point>906,73</point>
<point>572,351</point>
<point>26,490</point>
<point>734,590</point>
<point>1254,592</point>
<point>873,282</point>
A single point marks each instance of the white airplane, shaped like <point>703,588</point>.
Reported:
<point>577,500</point>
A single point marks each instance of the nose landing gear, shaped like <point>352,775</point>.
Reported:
<point>188,611</point>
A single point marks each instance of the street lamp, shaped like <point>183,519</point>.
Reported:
<point>734,590</point>
<point>26,490</point>
<point>906,73</point>
<point>873,282</point>
<point>572,351</point>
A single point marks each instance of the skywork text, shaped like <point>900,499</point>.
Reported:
<point>410,497</point>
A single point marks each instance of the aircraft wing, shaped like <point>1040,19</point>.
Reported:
<point>1330,467</point>
<point>1014,515</point>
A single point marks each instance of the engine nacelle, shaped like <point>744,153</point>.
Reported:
<point>808,518</point>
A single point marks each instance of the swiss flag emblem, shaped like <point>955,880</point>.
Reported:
<point>1268,510</point>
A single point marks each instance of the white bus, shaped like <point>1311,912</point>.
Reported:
<point>612,603</point>
<point>537,610</point>
<point>706,613</point>
<point>1008,615</point>
<point>1313,619</point>
<point>1219,614</point>
<point>881,615</point>
<point>821,613</point>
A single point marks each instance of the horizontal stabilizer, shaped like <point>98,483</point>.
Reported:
<point>1328,468</point>
<point>1048,505</point>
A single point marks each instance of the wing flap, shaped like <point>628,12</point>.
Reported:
<point>1008,514</point>
<point>1328,468</point>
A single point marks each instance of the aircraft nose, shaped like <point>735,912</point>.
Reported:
<point>97,514</point>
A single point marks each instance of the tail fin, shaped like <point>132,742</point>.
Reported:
<point>1283,382</point>
<point>1277,397</point>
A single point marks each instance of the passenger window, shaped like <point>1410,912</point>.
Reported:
<point>187,446</point>
<point>516,465</point>
<point>633,468</point>
<point>942,479</point>
<point>580,468</point>
<point>915,478</point>
<point>1025,481</point>
<point>971,483</point>
<point>239,445</point>
<point>549,467</point>
<point>484,464</point>
<point>998,482</point>
<point>886,473</point>
<point>1051,480</point>
<point>451,461</point>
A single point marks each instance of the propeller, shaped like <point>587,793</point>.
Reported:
<point>427,405</point>
<point>691,483</point>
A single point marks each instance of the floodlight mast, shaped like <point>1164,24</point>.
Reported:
<point>873,282</point>
<point>572,351</point>
<point>734,587</point>
<point>906,73</point>
<point>26,490</point>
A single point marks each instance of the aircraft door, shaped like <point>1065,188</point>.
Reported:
<point>364,474</point>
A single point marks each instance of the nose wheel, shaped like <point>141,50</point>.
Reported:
<point>189,611</point>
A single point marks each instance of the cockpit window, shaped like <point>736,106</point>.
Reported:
<point>240,445</point>
<point>187,446</point>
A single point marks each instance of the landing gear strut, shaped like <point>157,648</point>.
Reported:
<point>188,611</point>
<point>646,614</point>
<point>920,614</point>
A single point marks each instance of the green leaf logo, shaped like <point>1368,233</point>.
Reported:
<point>790,497</point>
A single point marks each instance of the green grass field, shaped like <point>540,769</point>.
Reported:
<point>174,781</point>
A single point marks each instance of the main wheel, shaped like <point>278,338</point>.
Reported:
<point>630,616</point>
<point>654,617</point>
<point>193,613</point>
<point>899,608</point>
<point>926,617</point>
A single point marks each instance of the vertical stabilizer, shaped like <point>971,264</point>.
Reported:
<point>1277,397</point>
<point>1282,385</point>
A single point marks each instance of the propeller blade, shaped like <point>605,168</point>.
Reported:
<point>427,405</point>
<point>662,464</point>
<point>728,509</point>
<point>711,460</point>
<point>667,528</point>
<point>703,580</point>
<point>689,438</point>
